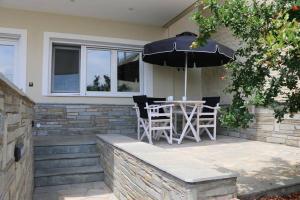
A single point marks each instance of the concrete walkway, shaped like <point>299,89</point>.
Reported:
<point>86,191</point>
<point>261,166</point>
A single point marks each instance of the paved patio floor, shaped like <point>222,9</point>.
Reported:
<point>86,191</point>
<point>261,166</point>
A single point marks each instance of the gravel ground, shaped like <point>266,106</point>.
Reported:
<point>294,196</point>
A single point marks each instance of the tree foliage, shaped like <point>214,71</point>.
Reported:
<point>266,70</point>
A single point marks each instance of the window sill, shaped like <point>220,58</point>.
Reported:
<point>108,95</point>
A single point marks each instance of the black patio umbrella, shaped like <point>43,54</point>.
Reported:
<point>177,52</point>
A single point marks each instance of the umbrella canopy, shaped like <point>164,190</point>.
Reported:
<point>177,52</point>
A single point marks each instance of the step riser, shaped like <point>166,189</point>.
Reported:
<point>48,150</point>
<point>68,179</point>
<point>76,162</point>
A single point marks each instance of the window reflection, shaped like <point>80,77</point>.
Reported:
<point>65,77</point>
<point>128,71</point>
<point>7,61</point>
<point>98,70</point>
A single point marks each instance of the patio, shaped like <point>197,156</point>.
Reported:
<point>261,168</point>
<point>120,99</point>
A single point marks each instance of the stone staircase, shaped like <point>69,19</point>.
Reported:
<point>63,160</point>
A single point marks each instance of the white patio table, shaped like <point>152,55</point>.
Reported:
<point>188,117</point>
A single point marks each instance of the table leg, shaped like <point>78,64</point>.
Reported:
<point>188,124</point>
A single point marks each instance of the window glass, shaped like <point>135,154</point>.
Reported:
<point>128,71</point>
<point>7,61</point>
<point>98,70</point>
<point>66,65</point>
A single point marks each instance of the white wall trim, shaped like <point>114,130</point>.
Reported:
<point>20,35</point>
<point>96,41</point>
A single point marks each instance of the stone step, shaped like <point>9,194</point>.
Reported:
<point>65,149</point>
<point>66,160</point>
<point>86,191</point>
<point>64,140</point>
<point>65,156</point>
<point>68,175</point>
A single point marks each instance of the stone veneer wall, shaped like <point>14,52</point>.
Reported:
<point>131,178</point>
<point>72,119</point>
<point>266,129</point>
<point>16,114</point>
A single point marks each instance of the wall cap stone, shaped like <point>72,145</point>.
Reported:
<point>8,83</point>
<point>190,171</point>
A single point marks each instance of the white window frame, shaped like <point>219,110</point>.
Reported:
<point>86,42</point>
<point>18,38</point>
<point>52,70</point>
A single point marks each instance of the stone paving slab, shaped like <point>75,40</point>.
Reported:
<point>261,166</point>
<point>180,165</point>
<point>86,191</point>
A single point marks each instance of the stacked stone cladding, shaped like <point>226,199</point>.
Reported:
<point>16,115</point>
<point>79,119</point>
<point>131,178</point>
<point>265,128</point>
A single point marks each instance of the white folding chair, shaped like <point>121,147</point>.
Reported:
<point>140,122</point>
<point>155,120</point>
<point>207,118</point>
<point>160,124</point>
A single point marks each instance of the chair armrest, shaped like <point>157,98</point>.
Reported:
<point>153,107</point>
<point>213,108</point>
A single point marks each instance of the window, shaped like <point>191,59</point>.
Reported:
<point>128,71</point>
<point>65,70</point>
<point>98,70</point>
<point>94,70</point>
<point>8,58</point>
<point>13,47</point>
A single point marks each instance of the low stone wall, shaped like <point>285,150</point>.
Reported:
<point>16,114</point>
<point>266,129</point>
<point>130,177</point>
<point>72,119</point>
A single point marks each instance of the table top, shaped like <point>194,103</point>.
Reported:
<point>182,102</point>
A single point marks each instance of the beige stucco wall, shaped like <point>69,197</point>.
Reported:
<point>166,81</point>
<point>170,81</point>
<point>212,76</point>
<point>201,82</point>
<point>37,23</point>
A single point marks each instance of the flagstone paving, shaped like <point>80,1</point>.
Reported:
<point>261,166</point>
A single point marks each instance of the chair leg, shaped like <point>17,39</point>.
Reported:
<point>171,133</point>
<point>139,130</point>
<point>214,134</point>
<point>215,128</point>
<point>198,124</point>
<point>175,123</point>
<point>145,126</point>
<point>149,135</point>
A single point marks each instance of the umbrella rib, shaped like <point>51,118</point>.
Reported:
<point>175,49</point>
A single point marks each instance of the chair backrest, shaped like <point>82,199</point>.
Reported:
<point>210,101</point>
<point>141,104</point>
<point>151,101</point>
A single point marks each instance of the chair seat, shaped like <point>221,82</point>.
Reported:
<point>207,116</point>
<point>157,118</point>
<point>160,117</point>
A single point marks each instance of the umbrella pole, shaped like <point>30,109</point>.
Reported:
<point>185,74</point>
